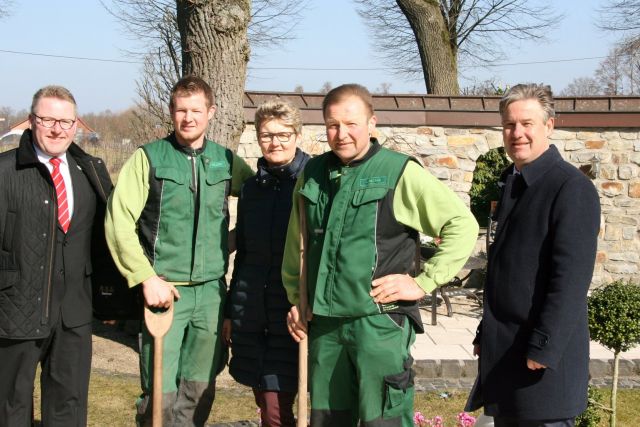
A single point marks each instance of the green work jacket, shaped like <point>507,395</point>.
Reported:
<point>349,232</point>
<point>169,216</point>
<point>362,223</point>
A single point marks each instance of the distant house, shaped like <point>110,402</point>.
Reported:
<point>16,131</point>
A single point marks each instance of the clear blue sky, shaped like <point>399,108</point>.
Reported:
<point>330,35</point>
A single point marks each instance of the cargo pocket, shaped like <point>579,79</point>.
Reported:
<point>398,391</point>
<point>8,278</point>
<point>172,179</point>
<point>216,175</point>
<point>9,272</point>
<point>7,235</point>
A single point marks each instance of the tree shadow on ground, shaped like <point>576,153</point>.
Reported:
<point>122,332</point>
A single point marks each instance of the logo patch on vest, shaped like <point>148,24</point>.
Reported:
<point>374,180</point>
<point>218,164</point>
<point>387,307</point>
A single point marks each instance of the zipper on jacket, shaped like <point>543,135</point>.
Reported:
<point>194,174</point>
<point>196,205</point>
<point>52,239</point>
<point>98,181</point>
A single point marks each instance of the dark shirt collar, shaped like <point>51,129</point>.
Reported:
<point>187,150</point>
<point>374,147</point>
<point>267,175</point>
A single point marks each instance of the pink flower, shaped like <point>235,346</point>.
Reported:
<point>437,421</point>
<point>465,420</point>
<point>419,419</point>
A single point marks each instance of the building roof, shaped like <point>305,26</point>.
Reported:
<point>24,124</point>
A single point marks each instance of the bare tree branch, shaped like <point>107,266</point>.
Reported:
<point>619,72</point>
<point>274,21</point>
<point>154,26</point>
<point>620,15</point>
<point>5,8</point>
<point>477,29</point>
<point>582,86</point>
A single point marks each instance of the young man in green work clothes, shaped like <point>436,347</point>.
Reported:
<point>167,225</point>
<point>364,206</point>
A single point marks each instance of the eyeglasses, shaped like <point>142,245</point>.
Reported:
<point>267,137</point>
<point>49,122</point>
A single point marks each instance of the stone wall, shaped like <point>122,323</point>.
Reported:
<point>450,153</point>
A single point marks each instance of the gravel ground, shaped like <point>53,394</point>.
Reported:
<point>115,352</point>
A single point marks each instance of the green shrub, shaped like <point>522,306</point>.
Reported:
<point>591,416</point>
<point>484,187</point>
<point>614,315</point>
<point>614,322</point>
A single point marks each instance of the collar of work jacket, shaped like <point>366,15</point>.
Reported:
<point>374,147</point>
<point>186,150</point>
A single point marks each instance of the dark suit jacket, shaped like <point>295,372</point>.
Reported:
<point>539,271</point>
<point>42,271</point>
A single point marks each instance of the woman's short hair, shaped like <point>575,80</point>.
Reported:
<point>278,109</point>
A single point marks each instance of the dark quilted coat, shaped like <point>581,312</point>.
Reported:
<point>27,228</point>
<point>264,355</point>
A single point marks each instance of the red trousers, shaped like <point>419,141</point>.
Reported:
<point>276,408</point>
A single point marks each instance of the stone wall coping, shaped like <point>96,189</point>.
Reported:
<point>436,110</point>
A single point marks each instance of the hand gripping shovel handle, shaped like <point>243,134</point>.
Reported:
<point>158,325</point>
<point>303,349</point>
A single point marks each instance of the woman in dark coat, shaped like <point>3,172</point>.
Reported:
<point>265,357</point>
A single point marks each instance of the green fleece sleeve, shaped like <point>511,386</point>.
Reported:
<point>241,171</point>
<point>291,257</point>
<point>123,210</point>
<point>425,204</point>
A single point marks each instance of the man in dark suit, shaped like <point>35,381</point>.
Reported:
<point>51,195</point>
<point>533,340</point>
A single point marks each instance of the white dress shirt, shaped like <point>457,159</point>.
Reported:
<point>64,171</point>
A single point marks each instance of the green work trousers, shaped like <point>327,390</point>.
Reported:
<point>360,371</point>
<point>193,355</point>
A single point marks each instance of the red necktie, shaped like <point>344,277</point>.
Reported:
<point>61,193</point>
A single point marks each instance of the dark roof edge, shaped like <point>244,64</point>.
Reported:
<point>475,111</point>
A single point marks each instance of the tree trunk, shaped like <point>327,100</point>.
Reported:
<point>614,389</point>
<point>215,47</point>
<point>437,53</point>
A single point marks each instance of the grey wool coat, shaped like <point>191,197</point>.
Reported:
<point>535,302</point>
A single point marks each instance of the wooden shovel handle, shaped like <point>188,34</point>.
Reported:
<point>303,346</point>
<point>156,403</point>
<point>158,324</point>
<point>303,352</point>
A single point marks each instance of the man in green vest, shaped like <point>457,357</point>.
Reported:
<point>364,207</point>
<point>167,229</point>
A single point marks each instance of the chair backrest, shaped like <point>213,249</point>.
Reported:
<point>492,225</point>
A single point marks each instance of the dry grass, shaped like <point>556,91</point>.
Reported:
<point>112,397</point>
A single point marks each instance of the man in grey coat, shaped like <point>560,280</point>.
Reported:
<point>533,340</point>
